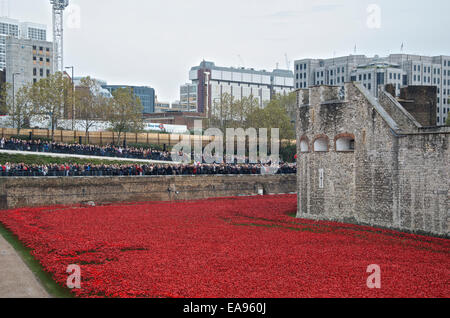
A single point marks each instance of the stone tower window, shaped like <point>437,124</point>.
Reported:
<point>304,145</point>
<point>321,144</point>
<point>345,143</point>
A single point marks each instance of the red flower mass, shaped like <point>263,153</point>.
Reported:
<point>234,247</point>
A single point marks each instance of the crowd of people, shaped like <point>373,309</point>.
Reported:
<point>81,170</point>
<point>87,150</point>
<point>89,170</point>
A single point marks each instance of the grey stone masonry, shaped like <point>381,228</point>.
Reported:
<point>368,161</point>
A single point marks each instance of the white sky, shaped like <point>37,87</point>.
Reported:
<point>155,43</point>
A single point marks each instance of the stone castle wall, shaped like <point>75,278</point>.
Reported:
<point>29,192</point>
<point>396,176</point>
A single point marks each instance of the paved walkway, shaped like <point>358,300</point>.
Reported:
<point>62,155</point>
<point>16,279</point>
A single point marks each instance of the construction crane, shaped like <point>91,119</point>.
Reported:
<point>58,34</point>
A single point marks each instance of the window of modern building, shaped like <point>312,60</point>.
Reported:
<point>34,71</point>
<point>48,73</point>
<point>41,72</point>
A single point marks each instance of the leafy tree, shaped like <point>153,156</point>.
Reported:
<point>91,106</point>
<point>4,95</point>
<point>50,96</point>
<point>273,116</point>
<point>448,119</point>
<point>124,112</point>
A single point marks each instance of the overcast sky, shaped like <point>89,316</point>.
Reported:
<point>155,43</point>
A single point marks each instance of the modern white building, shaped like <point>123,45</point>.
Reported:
<point>401,70</point>
<point>18,30</point>
<point>213,82</point>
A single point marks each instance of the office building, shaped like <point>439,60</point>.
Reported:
<point>18,30</point>
<point>400,70</point>
<point>27,61</point>
<point>213,82</point>
<point>189,97</point>
<point>144,93</point>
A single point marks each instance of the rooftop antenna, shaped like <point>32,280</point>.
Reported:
<point>241,61</point>
<point>354,50</point>
<point>58,34</point>
<point>288,62</point>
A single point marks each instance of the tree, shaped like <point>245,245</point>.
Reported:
<point>448,120</point>
<point>273,116</point>
<point>90,104</point>
<point>124,112</point>
<point>22,112</point>
<point>229,112</point>
<point>49,97</point>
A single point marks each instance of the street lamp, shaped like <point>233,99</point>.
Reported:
<point>14,92</point>
<point>207,74</point>
<point>73,98</point>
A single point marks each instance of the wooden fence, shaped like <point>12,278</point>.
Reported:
<point>103,138</point>
<point>108,137</point>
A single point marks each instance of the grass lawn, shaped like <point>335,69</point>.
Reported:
<point>42,160</point>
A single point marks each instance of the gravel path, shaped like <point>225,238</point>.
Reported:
<point>16,279</point>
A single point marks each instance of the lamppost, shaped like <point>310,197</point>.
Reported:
<point>73,98</point>
<point>14,93</point>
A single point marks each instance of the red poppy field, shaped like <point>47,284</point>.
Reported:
<point>226,248</point>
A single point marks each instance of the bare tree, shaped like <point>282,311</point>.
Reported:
<point>124,112</point>
<point>91,105</point>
